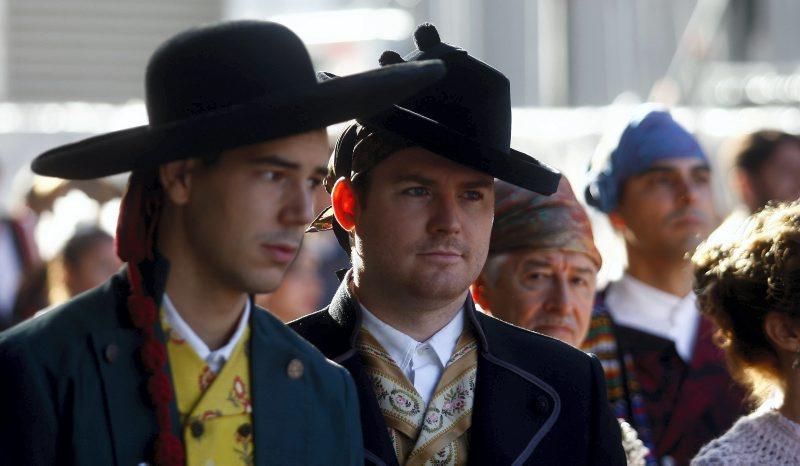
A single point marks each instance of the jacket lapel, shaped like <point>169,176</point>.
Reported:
<point>131,421</point>
<point>506,432</point>
<point>344,311</point>
<point>280,402</point>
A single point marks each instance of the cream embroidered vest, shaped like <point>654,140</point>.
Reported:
<point>437,435</point>
<point>215,409</point>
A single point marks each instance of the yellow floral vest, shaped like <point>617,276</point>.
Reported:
<point>215,409</point>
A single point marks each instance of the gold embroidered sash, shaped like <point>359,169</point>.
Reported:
<point>436,435</point>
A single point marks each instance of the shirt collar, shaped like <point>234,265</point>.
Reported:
<point>214,359</point>
<point>401,347</point>
<point>636,304</point>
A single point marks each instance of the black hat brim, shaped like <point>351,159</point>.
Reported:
<point>513,166</point>
<point>270,117</point>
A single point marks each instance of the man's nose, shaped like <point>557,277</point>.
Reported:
<point>298,205</point>
<point>445,217</point>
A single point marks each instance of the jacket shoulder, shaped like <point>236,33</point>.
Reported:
<point>56,330</point>
<point>287,337</point>
<point>540,353</point>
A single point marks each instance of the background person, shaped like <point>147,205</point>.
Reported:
<point>664,374</point>
<point>751,288</point>
<point>541,273</point>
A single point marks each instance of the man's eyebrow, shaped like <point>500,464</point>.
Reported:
<point>275,160</point>
<point>482,183</point>
<point>413,178</point>
<point>585,270</point>
<point>528,263</point>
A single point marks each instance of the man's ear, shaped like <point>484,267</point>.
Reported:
<point>345,203</point>
<point>782,331</point>
<point>616,220</point>
<point>176,179</point>
<point>479,291</point>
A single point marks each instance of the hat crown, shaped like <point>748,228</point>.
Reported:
<point>473,98</point>
<point>213,67</point>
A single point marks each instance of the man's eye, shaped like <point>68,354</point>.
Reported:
<point>473,195</point>
<point>314,183</point>
<point>417,191</point>
<point>272,175</point>
<point>534,276</point>
<point>580,281</point>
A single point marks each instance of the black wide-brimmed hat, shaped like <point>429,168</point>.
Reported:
<point>465,116</point>
<point>227,85</point>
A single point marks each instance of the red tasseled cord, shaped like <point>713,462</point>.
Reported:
<point>135,237</point>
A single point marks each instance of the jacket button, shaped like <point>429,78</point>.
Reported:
<point>196,428</point>
<point>111,352</point>
<point>541,405</point>
<point>295,369</point>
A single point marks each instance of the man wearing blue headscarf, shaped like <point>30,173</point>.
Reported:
<point>663,372</point>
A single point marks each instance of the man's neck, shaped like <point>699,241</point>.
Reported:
<point>673,276</point>
<point>791,399</point>
<point>419,319</point>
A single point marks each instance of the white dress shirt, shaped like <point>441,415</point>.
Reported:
<point>217,358</point>
<point>635,304</point>
<point>422,362</point>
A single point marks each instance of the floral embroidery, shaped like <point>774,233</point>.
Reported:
<point>404,402</point>
<point>433,420</point>
<point>210,414</point>
<point>443,457</point>
<point>205,379</point>
<point>244,440</point>
<point>455,400</point>
<point>238,395</point>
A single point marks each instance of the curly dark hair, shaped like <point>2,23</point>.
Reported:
<point>739,282</point>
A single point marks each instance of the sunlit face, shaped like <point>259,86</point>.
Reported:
<point>93,268</point>
<point>779,178</point>
<point>545,290</point>
<point>423,231</point>
<point>246,213</point>
<point>667,210</point>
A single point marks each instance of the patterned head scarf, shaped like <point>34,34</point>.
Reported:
<point>524,219</point>
<point>647,139</point>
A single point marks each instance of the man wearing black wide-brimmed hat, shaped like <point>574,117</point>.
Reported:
<point>413,200</point>
<point>169,362</point>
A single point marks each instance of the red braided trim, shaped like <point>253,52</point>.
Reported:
<point>135,238</point>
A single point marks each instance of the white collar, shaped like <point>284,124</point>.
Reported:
<point>636,304</point>
<point>214,359</point>
<point>401,347</point>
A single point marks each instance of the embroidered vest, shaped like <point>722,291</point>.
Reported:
<point>215,409</point>
<point>437,435</point>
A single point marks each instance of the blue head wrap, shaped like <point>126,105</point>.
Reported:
<point>645,141</point>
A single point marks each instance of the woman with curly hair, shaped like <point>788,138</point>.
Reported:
<point>751,288</point>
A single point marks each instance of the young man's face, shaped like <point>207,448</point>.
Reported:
<point>779,178</point>
<point>545,290</point>
<point>424,225</point>
<point>667,210</point>
<point>245,214</point>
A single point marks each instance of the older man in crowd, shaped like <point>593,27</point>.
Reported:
<point>541,273</point>
<point>663,371</point>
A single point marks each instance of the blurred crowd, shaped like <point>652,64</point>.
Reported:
<point>698,340</point>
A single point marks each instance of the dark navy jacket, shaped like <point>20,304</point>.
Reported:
<point>72,391</point>
<point>537,401</point>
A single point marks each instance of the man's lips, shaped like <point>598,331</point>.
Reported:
<point>280,252</point>
<point>441,255</point>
